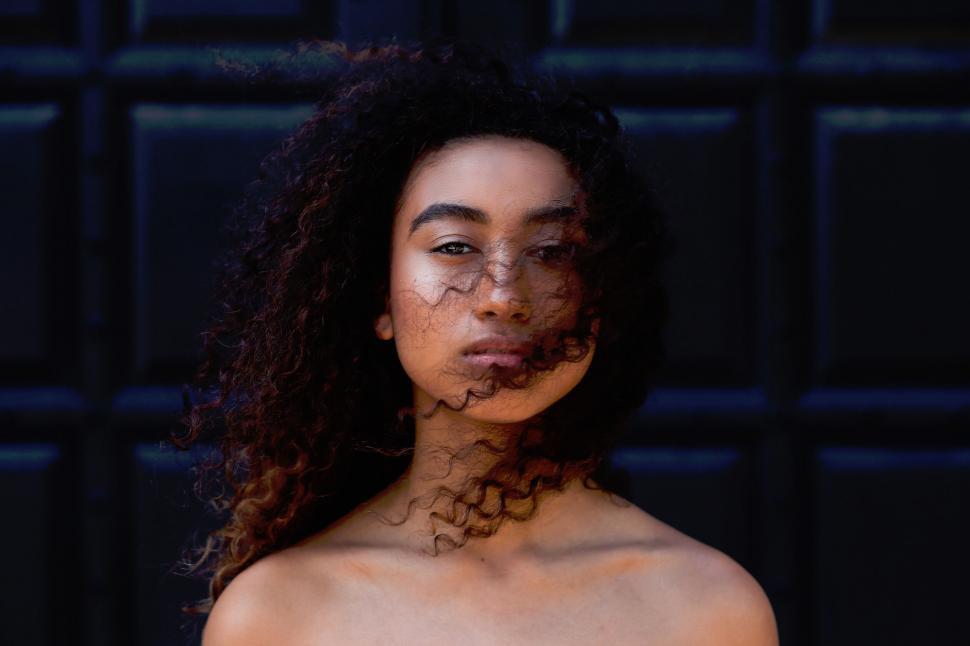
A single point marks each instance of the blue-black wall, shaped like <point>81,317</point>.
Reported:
<point>814,420</point>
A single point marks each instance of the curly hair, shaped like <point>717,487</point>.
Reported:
<point>311,413</point>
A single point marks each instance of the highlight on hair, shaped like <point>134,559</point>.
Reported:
<point>313,414</point>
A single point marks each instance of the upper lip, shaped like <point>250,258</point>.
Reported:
<point>500,344</point>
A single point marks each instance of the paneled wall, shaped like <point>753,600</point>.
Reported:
<point>814,419</point>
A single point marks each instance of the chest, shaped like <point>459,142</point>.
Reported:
<point>604,615</point>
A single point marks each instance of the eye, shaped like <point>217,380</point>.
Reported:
<point>441,248</point>
<point>555,254</point>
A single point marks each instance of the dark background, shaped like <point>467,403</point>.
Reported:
<point>814,420</point>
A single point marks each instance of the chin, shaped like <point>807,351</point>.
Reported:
<point>495,411</point>
<point>508,405</point>
<point>504,407</point>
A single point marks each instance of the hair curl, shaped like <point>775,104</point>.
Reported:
<point>311,412</point>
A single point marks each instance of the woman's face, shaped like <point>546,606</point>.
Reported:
<point>477,251</point>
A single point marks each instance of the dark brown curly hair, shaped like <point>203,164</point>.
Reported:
<point>312,414</point>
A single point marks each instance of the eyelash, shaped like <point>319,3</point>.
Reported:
<point>566,249</point>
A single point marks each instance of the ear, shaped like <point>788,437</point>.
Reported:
<point>384,327</point>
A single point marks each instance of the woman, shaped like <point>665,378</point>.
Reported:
<point>446,305</point>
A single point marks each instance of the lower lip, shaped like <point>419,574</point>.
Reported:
<point>501,358</point>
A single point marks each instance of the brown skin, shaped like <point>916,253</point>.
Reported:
<point>588,568</point>
<point>502,177</point>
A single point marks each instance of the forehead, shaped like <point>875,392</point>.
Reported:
<point>492,172</point>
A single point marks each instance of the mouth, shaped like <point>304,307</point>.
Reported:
<point>505,351</point>
<point>488,358</point>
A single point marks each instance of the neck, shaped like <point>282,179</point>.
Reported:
<point>446,455</point>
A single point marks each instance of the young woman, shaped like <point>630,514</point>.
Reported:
<point>446,304</point>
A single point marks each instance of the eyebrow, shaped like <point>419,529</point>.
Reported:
<point>444,210</point>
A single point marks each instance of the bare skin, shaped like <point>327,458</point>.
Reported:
<point>605,574</point>
<point>588,568</point>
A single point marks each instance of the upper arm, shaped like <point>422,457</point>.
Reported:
<point>248,611</point>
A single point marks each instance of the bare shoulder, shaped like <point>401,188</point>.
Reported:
<point>260,605</point>
<point>702,596</point>
<point>727,605</point>
<point>708,596</point>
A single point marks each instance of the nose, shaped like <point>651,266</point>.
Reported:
<point>504,293</point>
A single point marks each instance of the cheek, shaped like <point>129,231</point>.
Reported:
<point>416,281</point>
<point>424,325</point>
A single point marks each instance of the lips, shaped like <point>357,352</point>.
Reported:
<point>506,360</point>
<point>499,345</point>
